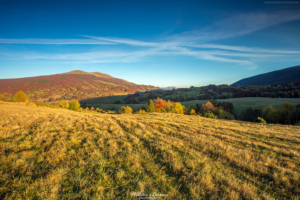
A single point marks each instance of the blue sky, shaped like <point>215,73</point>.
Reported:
<point>160,43</point>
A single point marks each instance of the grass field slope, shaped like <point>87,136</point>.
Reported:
<point>48,153</point>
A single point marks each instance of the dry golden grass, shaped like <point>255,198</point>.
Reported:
<point>48,153</point>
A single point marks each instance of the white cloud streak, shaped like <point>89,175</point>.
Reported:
<point>52,41</point>
<point>196,44</point>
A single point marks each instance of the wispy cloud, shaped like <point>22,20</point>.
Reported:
<point>52,41</point>
<point>197,44</point>
<point>237,25</point>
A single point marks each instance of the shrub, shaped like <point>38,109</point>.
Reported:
<point>87,109</point>
<point>141,111</point>
<point>92,108</point>
<point>229,116</point>
<point>61,104</point>
<point>210,115</point>
<point>21,97</point>
<point>125,110</point>
<point>260,120</point>
<point>74,105</point>
<point>2,98</point>
<point>193,112</point>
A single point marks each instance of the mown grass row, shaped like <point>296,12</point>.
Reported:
<point>59,154</point>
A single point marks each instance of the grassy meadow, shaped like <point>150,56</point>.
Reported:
<point>48,153</point>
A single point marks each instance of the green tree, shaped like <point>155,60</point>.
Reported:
<point>21,97</point>
<point>287,110</point>
<point>266,110</point>
<point>210,115</point>
<point>221,114</point>
<point>74,105</point>
<point>150,107</point>
<point>273,116</point>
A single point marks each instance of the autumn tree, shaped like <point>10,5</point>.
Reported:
<point>2,98</point>
<point>193,112</point>
<point>125,110</point>
<point>150,107</point>
<point>61,104</point>
<point>178,108</point>
<point>208,107</point>
<point>74,105</point>
<point>21,97</point>
<point>170,106</point>
<point>159,104</point>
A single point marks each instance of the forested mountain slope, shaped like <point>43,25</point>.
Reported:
<point>291,74</point>
<point>76,84</point>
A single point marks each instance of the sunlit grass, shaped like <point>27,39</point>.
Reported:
<point>50,153</point>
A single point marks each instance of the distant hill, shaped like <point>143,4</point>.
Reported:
<point>169,88</point>
<point>75,84</point>
<point>291,74</point>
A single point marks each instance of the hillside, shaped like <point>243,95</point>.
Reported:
<point>75,84</point>
<point>48,153</point>
<point>291,74</point>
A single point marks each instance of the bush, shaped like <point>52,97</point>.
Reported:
<point>140,111</point>
<point>193,112</point>
<point>260,120</point>
<point>125,110</point>
<point>21,97</point>
<point>210,115</point>
<point>74,105</point>
<point>2,98</point>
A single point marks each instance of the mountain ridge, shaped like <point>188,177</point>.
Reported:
<point>75,84</point>
<point>290,74</point>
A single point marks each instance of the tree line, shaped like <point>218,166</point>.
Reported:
<point>210,92</point>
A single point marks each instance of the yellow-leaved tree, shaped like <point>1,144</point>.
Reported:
<point>74,105</point>
<point>2,97</point>
<point>125,110</point>
<point>21,97</point>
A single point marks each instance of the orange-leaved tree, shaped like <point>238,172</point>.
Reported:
<point>208,107</point>
<point>159,104</point>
